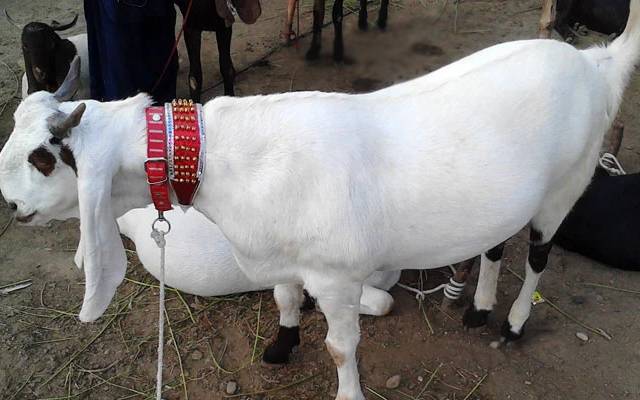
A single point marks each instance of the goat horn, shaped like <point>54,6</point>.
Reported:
<point>57,27</point>
<point>60,124</point>
<point>12,21</point>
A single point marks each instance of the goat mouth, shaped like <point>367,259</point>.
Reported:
<point>25,218</point>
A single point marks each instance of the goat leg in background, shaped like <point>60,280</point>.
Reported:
<point>463,270</point>
<point>363,16</point>
<point>318,20</point>
<point>547,19</point>
<point>193,41</point>
<point>338,43</point>
<point>383,14</point>
<point>223,39</point>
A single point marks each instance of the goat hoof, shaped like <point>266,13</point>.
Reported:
<point>313,53</point>
<point>508,334</point>
<point>475,318</point>
<point>278,352</point>
<point>382,25</point>
<point>363,25</point>
<point>309,303</point>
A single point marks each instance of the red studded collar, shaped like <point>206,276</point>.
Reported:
<point>175,152</point>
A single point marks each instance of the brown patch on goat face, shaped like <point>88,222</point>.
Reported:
<point>43,160</point>
<point>338,357</point>
<point>66,155</point>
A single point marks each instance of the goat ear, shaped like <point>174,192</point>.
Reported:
<point>60,124</point>
<point>71,82</point>
<point>103,257</point>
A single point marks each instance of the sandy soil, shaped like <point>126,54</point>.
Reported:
<point>46,353</point>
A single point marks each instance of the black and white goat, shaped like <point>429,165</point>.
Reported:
<point>47,56</point>
<point>604,16</point>
<point>320,190</point>
<point>337,14</point>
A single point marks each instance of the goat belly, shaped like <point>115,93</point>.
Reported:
<point>604,224</point>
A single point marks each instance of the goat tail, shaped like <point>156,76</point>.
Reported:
<point>625,49</point>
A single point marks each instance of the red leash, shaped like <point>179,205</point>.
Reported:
<point>185,17</point>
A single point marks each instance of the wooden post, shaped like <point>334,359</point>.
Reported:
<point>547,19</point>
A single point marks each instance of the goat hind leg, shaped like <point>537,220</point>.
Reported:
<point>316,40</point>
<point>383,14</point>
<point>485,297</point>
<point>289,299</point>
<point>193,41</point>
<point>223,39</point>
<point>338,43</point>
<point>363,16</point>
<point>544,225</point>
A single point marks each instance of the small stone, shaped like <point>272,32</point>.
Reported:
<point>527,382</point>
<point>393,382</point>
<point>196,355</point>
<point>420,379</point>
<point>495,344</point>
<point>231,388</point>
<point>582,336</point>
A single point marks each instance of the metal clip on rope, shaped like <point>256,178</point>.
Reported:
<point>158,236</point>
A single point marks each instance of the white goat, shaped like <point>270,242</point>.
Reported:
<point>200,260</point>
<point>322,189</point>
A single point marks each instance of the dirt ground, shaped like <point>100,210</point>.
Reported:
<point>46,353</point>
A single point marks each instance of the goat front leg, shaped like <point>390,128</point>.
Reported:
<point>383,14</point>
<point>318,20</point>
<point>485,296</point>
<point>223,39</point>
<point>363,16</point>
<point>338,44</point>
<point>340,303</point>
<point>289,298</point>
<point>193,41</point>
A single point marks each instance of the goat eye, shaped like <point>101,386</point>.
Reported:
<point>55,140</point>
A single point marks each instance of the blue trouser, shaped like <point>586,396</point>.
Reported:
<point>129,44</point>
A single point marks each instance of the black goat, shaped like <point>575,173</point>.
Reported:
<point>605,223</point>
<point>47,56</point>
<point>604,16</point>
<point>337,13</point>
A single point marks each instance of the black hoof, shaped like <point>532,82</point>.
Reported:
<point>309,303</point>
<point>278,352</point>
<point>363,25</point>
<point>475,318</point>
<point>313,53</point>
<point>507,333</point>
<point>382,24</point>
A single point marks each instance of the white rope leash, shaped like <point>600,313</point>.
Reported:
<point>452,290</point>
<point>158,236</point>
<point>610,163</point>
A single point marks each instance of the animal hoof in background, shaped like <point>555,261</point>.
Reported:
<point>313,53</point>
<point>475,318</point>
<point>277,353</point>
<point>309,303</point>
<point>382,24</point>
<point>507,333</point>
<point>571,39</point>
